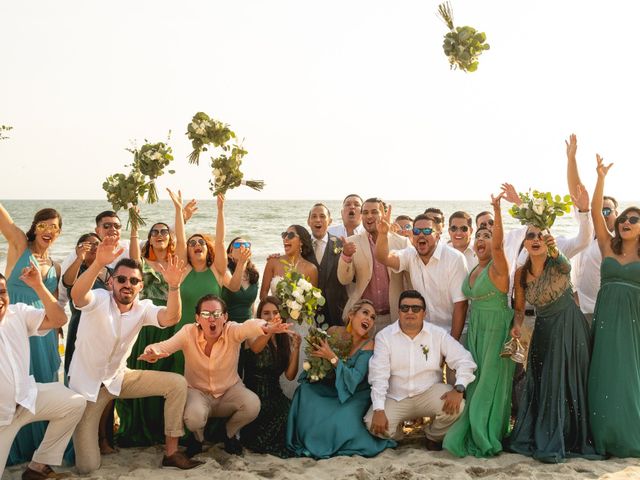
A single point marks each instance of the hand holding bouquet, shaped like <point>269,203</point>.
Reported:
<point>299,299</point>
<point>317,365</point>
<point>462,45</point>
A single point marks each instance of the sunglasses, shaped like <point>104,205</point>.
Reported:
<point>426,231</point>
<point>413,308</point>
<point>206,314</point>
<point>455,228</point>
<point>47,227</point>
<point>288,235</point>
<point>632,219</point>
<point>122,279</point>
<point>109,226</point>
<point>606,211</point>
<point>487,223</point>
<point>406,227</point>
<point>241,244</point>
<point>533,236</point>
<point>193,242</point>
<point>163,232</point>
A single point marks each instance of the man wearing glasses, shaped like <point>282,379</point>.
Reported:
<point>109,326</point>
<point>405,374</point>
<point>460,234</point>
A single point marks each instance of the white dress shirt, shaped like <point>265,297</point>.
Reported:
<point>341,231</point>
<point>439,281</point>
<point>399,367</point>
<point>104,342</point>
<point>17,387</point>
<point>586,276</point>
<point>469,255</point>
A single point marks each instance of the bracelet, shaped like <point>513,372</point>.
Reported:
<point>174,289</point>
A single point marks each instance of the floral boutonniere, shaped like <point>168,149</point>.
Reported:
<point>337,249</point>
<point>425,351</point>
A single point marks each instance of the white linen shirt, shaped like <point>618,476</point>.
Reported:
<point>18,387</point>
<point>104,342</point>
<point>341,231</point>
<point>586,276</point>
<point>439,281</point>
<point>400,369</point>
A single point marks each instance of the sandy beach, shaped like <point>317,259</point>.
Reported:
<point>409,461</point>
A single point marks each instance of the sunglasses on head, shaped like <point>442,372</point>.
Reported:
<point>122,279</point>
<point>206,314</point>
<point>606,211</point>
<point>533,236</point>
<point>47,227</point>
<point>487,223</point>
<point>163,232</point>
<point>632,219</point>
<point>241,244</point>
<point>193,242</point>
<point>455,228</point>
<point>426,231</point>
<point>413,308</point>
<point>288,235</point>
<point>110,225</point>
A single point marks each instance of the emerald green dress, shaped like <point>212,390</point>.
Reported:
<point>142,419</point>
<point>485,420</point>
<point>325,419</point>
<point>553,417</point>
<point>614,377</point>
<point>240,303</point>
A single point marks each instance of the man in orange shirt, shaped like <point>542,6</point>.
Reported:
<point>211,348</point>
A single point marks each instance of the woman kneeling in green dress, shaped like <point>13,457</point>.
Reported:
<point>485,420</point>
<point>325,419</point>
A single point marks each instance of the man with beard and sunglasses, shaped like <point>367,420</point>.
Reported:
<point>109,326</point>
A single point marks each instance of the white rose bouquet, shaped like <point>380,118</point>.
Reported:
<point>124,192</point>
<point>151,160</point>
<point>319,368</point>
<point>540,209</point>
<point>299,299</point>
<point>462,45</point>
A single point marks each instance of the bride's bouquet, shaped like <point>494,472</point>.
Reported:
<point>462,45</point>
<point>540,209</point>
<point>299,300</point>
<point>151,160</point>
<point>319,368</point>
<point>124,192</point>
<point>204,132</point>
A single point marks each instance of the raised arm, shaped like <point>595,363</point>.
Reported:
<point>220,258</point>
<point>173,275</point>
<point>71,274</point>
<point>54,313</point>
<point>233,282</point>
<point>599,223</point>
<point>134,244</point>
<point>382,242</point>
<point>15,237</point>
<point>181,239</point>
<point>573,178</point>
<point>499,271</point>
<point>107,252</point>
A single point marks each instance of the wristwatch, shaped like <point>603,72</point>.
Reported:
<point>334,361</point>
<point>459,388</point>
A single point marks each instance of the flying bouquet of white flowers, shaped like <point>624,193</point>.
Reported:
<point>124,192</point>
<point>540,209</point>
<point>462,45</point>
<point>226,172</point>
<point>204,131</point>
<point>319,368</point>
<point>299,299</point>
<point>151,160</point>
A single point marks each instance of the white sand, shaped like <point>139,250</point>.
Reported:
<point>408,462</point>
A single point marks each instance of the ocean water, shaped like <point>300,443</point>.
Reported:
<point>260,222</point>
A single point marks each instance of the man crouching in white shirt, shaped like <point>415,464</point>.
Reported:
<point>405,373</point>
<point>109,326</point>
<point>22,400</point>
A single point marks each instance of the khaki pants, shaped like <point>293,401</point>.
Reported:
<point>239,403</point>
<point>136,384</point>
<point>427,404</point>
<point>61,407</point>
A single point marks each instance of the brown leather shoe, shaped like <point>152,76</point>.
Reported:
<point>47,472</point>
<point>181,461</point>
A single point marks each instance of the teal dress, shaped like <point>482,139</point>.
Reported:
<point>142,419</point>
<point>614,377</point>
<point>485,420</point>
<point>325,419</point>
<point>240,303</point>
<point>45,357</point>
<point>553,417</point>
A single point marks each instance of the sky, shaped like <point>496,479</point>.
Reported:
<point>331,97</point>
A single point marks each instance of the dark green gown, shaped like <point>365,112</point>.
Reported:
<point>614,377</point>
<point>142,419</point>
<point>325,419</point>
<point>485,420</point>
<point>552,422</point>
<point>266,434</point>
<point>240,303</point>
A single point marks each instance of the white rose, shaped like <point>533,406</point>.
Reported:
<point>317,293</point>
<point>304,285</point>
<point>296,306</point>
<point>199,130</point>
<point>294,314</point>
<point>314,378</point>
<point>156,156</point>
<point>306,366</point>
<point>216,172</point>
<point>538,206</point>
<point>299,297</point>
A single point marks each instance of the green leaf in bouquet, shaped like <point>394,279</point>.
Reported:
<point>567,198</point>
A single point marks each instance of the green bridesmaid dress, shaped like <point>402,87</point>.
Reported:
<point>614,377</point>
<point>485,420</point>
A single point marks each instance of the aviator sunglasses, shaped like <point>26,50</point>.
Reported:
<point>632,219</point>
<point>241,244</point>
<point>122,279</point>
<point>206,314</point>
<point>163,232</point>
<point>110,225</point>
<point>46,227</point>
<point>426,231</point>
<point>193,242</point>
<point>455,228</point>
<point>413,308</point>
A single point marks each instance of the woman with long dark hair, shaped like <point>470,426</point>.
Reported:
<point>240,303</point>
<point>614,376</point>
